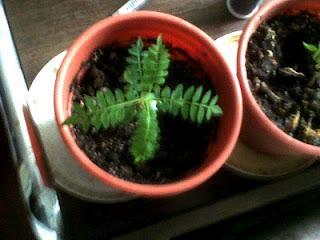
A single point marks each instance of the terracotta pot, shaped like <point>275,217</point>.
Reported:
<point>181,34</point>
<point>258,130</point>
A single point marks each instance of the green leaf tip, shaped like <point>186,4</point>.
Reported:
<point>314,50</point>
<point>310,47</point>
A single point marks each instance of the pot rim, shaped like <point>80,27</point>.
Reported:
<point>148,190</point>
<point>267,11</point>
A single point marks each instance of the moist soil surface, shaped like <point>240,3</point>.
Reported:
<point>183,144</point>
<point>283,76</point>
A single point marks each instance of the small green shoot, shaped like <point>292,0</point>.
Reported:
<point>314,50</point>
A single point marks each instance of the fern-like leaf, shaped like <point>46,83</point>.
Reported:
<point>145,139</point>
<point>133,72</point>
<point>106,109</point>
<point>155,65</point>
<point>192,103</point>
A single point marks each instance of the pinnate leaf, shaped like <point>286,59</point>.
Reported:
<point>145,139</point>
<point>133,72</point>
<point>155,65</point>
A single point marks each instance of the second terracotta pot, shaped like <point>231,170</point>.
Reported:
<point>258,130</point>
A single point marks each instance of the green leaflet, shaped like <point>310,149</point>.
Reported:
<point>194,107</point>
<point>176,100</point>
<point>90,103</point>
<point>185,111</point>
<point>164,103</point>
<point>142,98</point>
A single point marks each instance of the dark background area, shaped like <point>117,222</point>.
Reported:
<point>14,222</point>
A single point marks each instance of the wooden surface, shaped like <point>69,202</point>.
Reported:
<point>42,29</point>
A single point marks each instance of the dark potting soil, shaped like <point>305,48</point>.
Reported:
<point>182,144</point>
<point>283,77</point>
